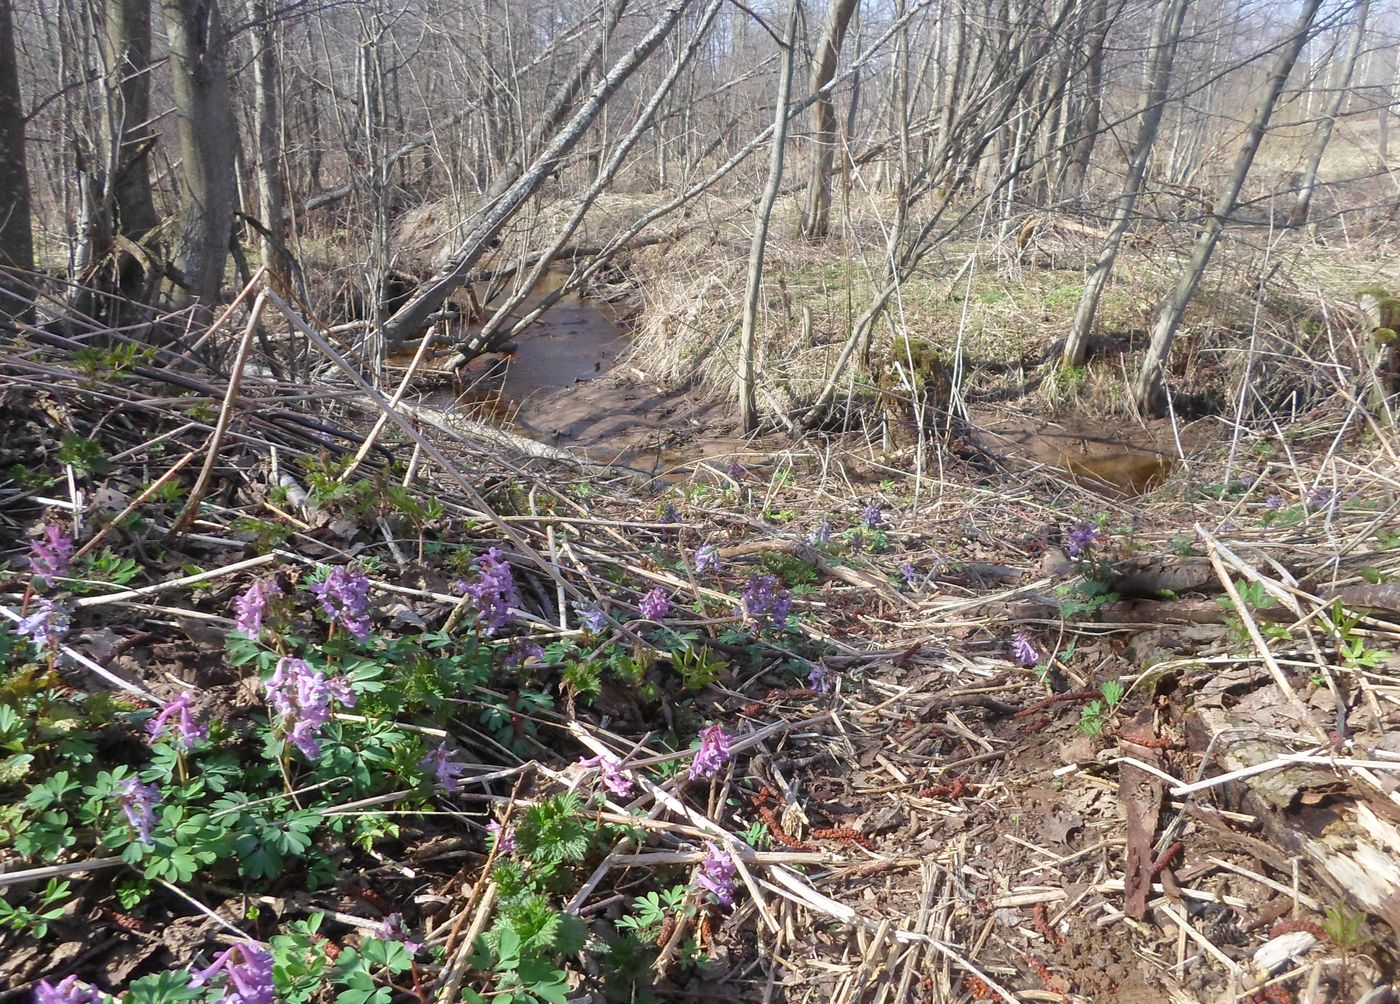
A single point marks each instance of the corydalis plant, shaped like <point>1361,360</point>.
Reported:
<point>176,717</point>
<point>441,765</point>
<point>250,606</point>
<point>716,874</point>
<point>247,971</point>
<point>614,775</point>
<point>67,991</point>
<point>344,596</point>
<point>50,554</point>
<point>492,593</point>
<point>301,697</point>
<point>46,626</point>
<point>137,802</point>
<point>706,559</point>
<point>1082,537</point>
<point>654,606</point>
<point>764,603</point>
<point>713,754</point>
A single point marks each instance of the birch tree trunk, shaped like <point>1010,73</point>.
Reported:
<point>1308,184</point>
<point>817,217</point>
<point>208,139</point>
<point>748,335</point>
<point>1148,393</point>
<point>1166,37</point>
<point>16,239</point>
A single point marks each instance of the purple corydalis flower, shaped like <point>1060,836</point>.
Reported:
<point>248,607</point>
<point>302,698</point>
<point>445,770</point>
<point>391,929</point>
<point>821,535</point>
<point>818,680</point>
<point>50,554</point>
<point>1274,501</point>
<point>614,776</point>
<point>184,730</point>
<point>872,517</point>
<point>493,593</point>
<point>1081,537</point>
<point>344,596</point>
<point>764,603</point>
<point>1322,498</point>
<point>735,470</point>
<point>46,626</point>
<point>68,991</point>
<point>706,559</point>
<point>712,755</point>
<point>247,969</point>
<point>654,606</point>
<point>138,803</point>
<point>593,618</point>
<point>1023,651</point>
<point>716,875</point>
<point>910,574</point>
<point>505,837</point>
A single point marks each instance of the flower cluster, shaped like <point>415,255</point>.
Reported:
<point>821,535</point>
<point>713,754</point>
<point>248,608</point>
<point>1081,537</point>
<point>818,679</point>
<point>68,991</point>
<point>46,626</point>
<point>445,770</point>
<point>706,559</point>
<point>764,603</point>
<point>301,697</point>
<point>1274,501</point>
<point>138,802</point>
<point>391,929</point>
<point>504,837</point>
<point>716,874</point>
<point>344,596</point>
<point>1023,651</point>
<point>654,606</point>
<point>909,574</point>
<point>247,969</point>
<point>593,618</point>
<point>735,470</point>
<point>614,776</point>
<point>493,593</point>
<point>177,717</point>
<point>50,554</point>
<point>872,517</point>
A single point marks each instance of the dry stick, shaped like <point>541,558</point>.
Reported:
<point>151,489</point>
<point>216,442</point>
<point>184,580</point>
<point>224,317</point>
<point>53,871</point>
<point>424,343</point>
<point>440,458</point>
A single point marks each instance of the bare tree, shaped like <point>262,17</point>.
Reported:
<point>267,128</point>
<point>127,43</point>
<point>817,217</point>
<point>16,239</point>
<point>1307,183</point>
<point>1165,40</point>
<point>1148,393</point>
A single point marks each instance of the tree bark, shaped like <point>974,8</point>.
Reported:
<point>748,336</point>
<point>1086,126</point>
<point>16,238</point>
<point>208,138</point>
<point>817,217</point>
<point>267,124</point>
<point>1167,35</point>
<point>1308,182</point>
<point>1148,393</point>
<point>127,39</point>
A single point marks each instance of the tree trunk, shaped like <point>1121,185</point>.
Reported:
<point>267,124</point>
<point>413,315</point>
<point>208,138</point>
<point>1148,394</point>
<point>1167,35</point>
<point>127,38</point>
<point>748,336</point>
<point>817,217</point>
<point>1308,182</point>
<point>16,240</point>
<point>1086,126</point>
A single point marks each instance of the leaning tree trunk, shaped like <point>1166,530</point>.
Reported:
<point>1086,127</point>
<point>208,139</point>
<point>1148,393</point>
<point>1308,184</point>
<point>817,217</point>
<point>1167,35</point>
<point>748,381</point>
<point>16,240</point>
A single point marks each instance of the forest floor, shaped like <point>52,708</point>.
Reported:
<point>1019,736</point>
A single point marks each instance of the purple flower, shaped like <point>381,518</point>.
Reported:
<point>1081,537</point>
<point>712,755</point>
<point>1322,498</point>
<point>504,837</point>
<point>185,731</point>
<point>344,596</point>
<point>446,771</point>
<point>1274,501</point>
<point>1023,651</point>
<point>68,991</point>
<point>817,679</point>
<point>302,697</point>
<point>614,776</point>
<point>46,626</point>
<point>654,606</point>
<point>764,603</point>
<point>391,929</point>
<point>493,593</point>
<point>716,875</point>
<point>821,535</point>
<point>247,969</point>
<point>138,803</point>
<point>248,608</point>
<point>50,554</point>
<point>735,470</point>
<point>872,517</point>
<point>706,559</point>
<point>910,574</point>
<point>593,618</point>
